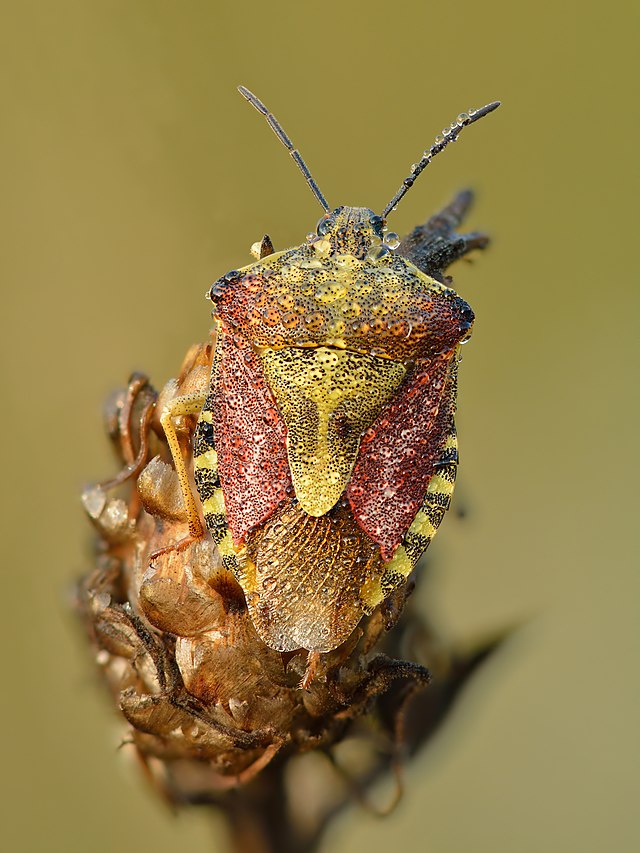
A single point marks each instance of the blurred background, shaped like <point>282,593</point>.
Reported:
<point>134,175</point>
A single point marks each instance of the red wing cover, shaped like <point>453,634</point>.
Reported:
<point>250,439</point>
<point>398,453</point>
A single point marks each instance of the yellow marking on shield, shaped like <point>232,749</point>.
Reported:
<point>328,398</point>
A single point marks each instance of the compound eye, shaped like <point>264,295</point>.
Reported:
<point>324,226</point>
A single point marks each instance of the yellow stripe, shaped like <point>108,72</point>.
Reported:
<point>399,563</point>
<point>422,525</point>
<point>214,504</point>
<point>439,484</point>
<point>371,593</point>
<point>226,545</point>
<point>209,459</point>
<point>206,416</point>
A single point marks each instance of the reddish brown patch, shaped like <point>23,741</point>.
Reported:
<point>402,314</point>
<point>250,440</point>
<point>397,455</point>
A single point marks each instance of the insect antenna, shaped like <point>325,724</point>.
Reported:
<point>282,136</point>
<point>449,134</point>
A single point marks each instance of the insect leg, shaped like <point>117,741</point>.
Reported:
<point>189,404</point>
<point>137,384</point>
<point>313,660</point>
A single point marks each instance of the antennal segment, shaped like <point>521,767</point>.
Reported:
<point>449,134</point>
<point>282,136</point>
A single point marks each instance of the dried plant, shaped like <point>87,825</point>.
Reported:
<point>215,716</point>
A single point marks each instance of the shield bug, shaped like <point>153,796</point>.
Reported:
<point>325,451</point>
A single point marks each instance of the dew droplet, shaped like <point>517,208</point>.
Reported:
<point>314,321</point>
<point>329,291</point>
<point>375,253</point>
<point>439,139</point>
<point>351,310</point>
<point>101,601</point>
<point>446,131</point>
<point>285,301</point>
<point>94,500</point>
<point>116,514</point>
<point>322,248</point>
<point>462,118</point>
<point>472,112</point>
<point>311,264</point>
<point>392,240</point>
<point>337,327</point>
<point>270,316</point>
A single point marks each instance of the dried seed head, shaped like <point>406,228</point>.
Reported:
<point>208,704</point>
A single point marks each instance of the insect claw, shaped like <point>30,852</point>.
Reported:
<point>180,545</point>
<point>313,660</point>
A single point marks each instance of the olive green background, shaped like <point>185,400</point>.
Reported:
<point>134,175</point>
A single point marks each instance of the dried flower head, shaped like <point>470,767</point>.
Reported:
<point>209,706</point>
